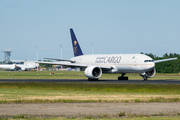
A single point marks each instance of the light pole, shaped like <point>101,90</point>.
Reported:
<point>37,52</point>
<point>92,47</point>
<point>61,50</point>
<point>37,56</point>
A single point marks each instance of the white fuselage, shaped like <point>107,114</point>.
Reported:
<point>122,63</point>
<point>26,65</point>
<point>7,66</point>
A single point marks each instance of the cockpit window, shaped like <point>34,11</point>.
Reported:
<point>148,60</point>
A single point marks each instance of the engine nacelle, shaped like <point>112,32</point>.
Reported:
<point>23,69</point>
<point>148,74</point>
<point>93,72</point>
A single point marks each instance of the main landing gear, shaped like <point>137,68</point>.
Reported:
<point>93,79</point>
<point>122,77</point>
<point>144,77</point>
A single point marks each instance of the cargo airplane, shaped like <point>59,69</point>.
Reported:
<point>95,65</point>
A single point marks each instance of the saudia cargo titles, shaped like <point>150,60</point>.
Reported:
<point>95,65</point>
<point>107,59</point>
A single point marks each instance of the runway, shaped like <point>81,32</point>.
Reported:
<point>99,81</point>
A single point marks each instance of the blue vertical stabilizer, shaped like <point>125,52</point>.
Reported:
<point>76,48</point>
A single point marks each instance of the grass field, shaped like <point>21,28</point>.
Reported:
<point>77,75</point>
<point>79,92</point>
<point>82,92</point>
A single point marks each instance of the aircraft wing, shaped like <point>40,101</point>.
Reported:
<point>164,60</point>
<point>60,60</point>
<point>64,64</point>
<point>72,64</point>
<point>106,67</point>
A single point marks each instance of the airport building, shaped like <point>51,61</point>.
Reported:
<point>7,55</point>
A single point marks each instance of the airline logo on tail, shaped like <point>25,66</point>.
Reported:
<point>76,46</point>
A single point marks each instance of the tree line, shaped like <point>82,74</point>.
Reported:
<point>169,66</point>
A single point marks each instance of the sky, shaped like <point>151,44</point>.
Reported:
<point>112,26</point>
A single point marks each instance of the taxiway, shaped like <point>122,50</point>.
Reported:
<point>99,81</point>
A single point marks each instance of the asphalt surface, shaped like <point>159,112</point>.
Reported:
<point>99,81</point>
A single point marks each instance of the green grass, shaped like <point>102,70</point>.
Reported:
<point>82,92</point>
<point>39,92</point>
<point>99,87</point>
<point>77,75</point>
<point>42,75</point>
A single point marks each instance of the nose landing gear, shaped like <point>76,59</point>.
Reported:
<point>145,77</point>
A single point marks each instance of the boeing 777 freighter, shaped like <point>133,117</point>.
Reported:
<point>95,65</point>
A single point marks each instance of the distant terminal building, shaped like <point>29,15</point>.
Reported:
<point>7,55</point>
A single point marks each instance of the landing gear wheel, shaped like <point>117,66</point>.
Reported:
<point>144,78</point>
<point>122,77</point>
<point>93,79</point>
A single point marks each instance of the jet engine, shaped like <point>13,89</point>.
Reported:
<point>17,68</point>
<point>148,74</point>
<point>23,69</point>
<point>93,72</point>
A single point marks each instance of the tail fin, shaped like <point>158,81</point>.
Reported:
<point>75,44</point>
